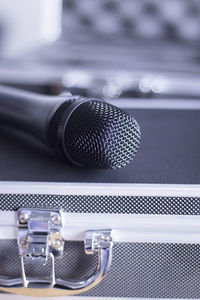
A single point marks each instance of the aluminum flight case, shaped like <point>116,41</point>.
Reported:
<point>62,228</point>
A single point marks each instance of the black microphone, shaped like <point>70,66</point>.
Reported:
<point>88,132</point>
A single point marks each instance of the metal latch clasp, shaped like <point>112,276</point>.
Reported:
<point>39,238</point>
<point>40,241</point>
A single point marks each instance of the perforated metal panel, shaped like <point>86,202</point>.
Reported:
<point>104,204</point>
<point>138,270</point>
<point>74,264</point>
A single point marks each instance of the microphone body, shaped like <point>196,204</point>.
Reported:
<point>28,111</point>
<point>88,132</point>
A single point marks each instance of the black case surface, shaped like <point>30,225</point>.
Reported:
<point>169,154</point>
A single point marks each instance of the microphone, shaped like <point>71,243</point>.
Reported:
<point>88,132</point>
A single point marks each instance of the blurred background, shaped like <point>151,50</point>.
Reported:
<point>105,48</point>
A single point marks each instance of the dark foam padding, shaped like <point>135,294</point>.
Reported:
<point>132,19</point>
<point>169,153</point>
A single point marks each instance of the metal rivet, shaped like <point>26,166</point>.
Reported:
<point>57,243</point>
<point>105,238</point>
<point>56,220</point>
<point>23,217</point>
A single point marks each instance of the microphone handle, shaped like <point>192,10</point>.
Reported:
<point>28,111</point>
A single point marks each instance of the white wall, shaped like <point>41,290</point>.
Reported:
<point>28,25</point>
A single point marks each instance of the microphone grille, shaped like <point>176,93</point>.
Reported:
<point>101,135</point>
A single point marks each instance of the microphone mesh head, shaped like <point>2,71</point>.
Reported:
<point>101,135</point>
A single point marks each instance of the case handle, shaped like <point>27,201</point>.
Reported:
<point>40,240</point>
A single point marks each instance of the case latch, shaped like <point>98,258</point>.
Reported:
<point>39,238</point>
<point>40,241</point>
